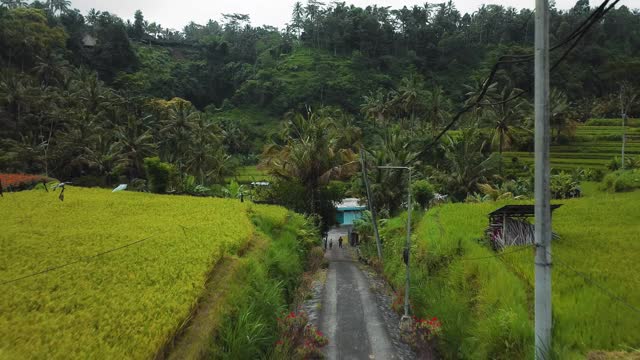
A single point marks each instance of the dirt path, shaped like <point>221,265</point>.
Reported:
<point>351,316</point>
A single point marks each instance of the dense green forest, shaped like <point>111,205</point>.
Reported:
<point>90,96</point>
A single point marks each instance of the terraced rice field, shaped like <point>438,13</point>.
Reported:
<point>593,146</point>
<point>249,174</point>
<point>109,275</point>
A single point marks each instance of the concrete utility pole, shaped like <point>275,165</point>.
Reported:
<point>543,320</point>
<point>407,245</point>
<point>370,202</point>
<point>624,138</point>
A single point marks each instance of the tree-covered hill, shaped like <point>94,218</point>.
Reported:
<point>232,83</point>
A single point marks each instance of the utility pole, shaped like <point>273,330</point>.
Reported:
<point>624,137</point>
<point>543,319</point>
<point>407,245</point>
<point>407,249</point>
<point>370,202</point>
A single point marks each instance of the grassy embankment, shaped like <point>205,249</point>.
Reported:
<point>486,305</point>
<point>594,145</point>
<point>231,266</point>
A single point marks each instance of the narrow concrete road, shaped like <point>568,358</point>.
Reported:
<point>350,317</point>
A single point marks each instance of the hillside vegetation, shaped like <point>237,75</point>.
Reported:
<point>137,268</point>
<point>486,302</point>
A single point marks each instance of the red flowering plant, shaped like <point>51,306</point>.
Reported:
<point>298,338</point>
<point>427,330</point>
<point>422,336</point>
<point>17,182</point>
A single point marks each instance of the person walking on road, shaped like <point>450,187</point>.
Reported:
<point>340,242</point>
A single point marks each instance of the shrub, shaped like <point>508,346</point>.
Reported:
<point>564,186</point>
<point>622,180</point>
<point>16,182</point>
<point>422,192</point>
<point>159,174</point>
<point>614,164</point>
<point>298,338</point>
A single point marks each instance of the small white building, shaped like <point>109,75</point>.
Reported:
<point>89,41</point>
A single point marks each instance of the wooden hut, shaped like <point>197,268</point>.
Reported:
<point>510,225</point>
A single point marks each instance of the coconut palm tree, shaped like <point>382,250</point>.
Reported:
<point>206,157</point>
<point>466,163</point>
<point>376,107</point>
<point>561,116</point>
<point>137,143</point>
<point>507,117</point>
<point>51,69</point>
<point>13,4</point>
<point>61,6</point>
<point>176,131</point>
<point>310,155</point>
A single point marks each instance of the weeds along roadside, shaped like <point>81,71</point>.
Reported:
<point>267,282</point>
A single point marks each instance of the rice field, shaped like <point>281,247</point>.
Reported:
<point>594,145</point>
<point>137,264</point>
<point>486,303</point>
<point>249,174</point>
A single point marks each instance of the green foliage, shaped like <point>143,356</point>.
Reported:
<point>313,153</point>
<point>564,185</point>
<point>159,174</point>
<point>234,190</point>
<point>422,192</point>
<point>486,306</point>
<point>153,282</point>
<point>26,36</point>
<point>622,180</point>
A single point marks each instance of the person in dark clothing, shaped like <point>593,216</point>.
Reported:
<point>330,244</point>
<point>340,242</point>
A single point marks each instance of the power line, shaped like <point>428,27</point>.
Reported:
<point>87,258</point>
<point>577,34</point>
<point>527,247</point>
<point>53,268</point>
<point>589,280</point>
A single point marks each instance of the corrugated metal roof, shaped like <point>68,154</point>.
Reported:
<point>351,204</point>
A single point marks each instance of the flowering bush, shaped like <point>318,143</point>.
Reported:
<point>426,330</point>
<point>20,181</point>
<point>298,338</point>
<point>422,334</point>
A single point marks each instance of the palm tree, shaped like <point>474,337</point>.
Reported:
<point>176,131</point>
<point>438,107</point>
<point>393,147</point>
<point>13,4</point>
<point>408,97</point>
<point>206,156</point>
<point>466,164</point>
<point>13,93</point>
<point>507,117</point>
<point>562,119</point>
<point>51,69</point>
<point>376,107</point>
<point>61,6</point>
<point>310,155</point>
<point>137,143</point>
<point>104,155</point>
<point>92,16</point>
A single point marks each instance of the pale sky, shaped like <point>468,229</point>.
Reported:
<point>176,14</point>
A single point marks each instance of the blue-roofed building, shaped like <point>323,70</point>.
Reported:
<point>348,210</point>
